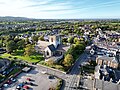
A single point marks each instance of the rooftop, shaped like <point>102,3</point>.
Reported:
<point>107,58</point>
<point>52,47</point>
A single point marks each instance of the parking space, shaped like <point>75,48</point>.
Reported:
<point>34,80</point>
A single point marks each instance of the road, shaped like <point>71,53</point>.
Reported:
<point>75,69</point>
<point>72,82</point>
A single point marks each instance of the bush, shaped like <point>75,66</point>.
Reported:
<point>59,85</point>
<point>15,58</point>
<point>9,57</point>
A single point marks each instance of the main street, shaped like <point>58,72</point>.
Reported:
<point>72,78</point>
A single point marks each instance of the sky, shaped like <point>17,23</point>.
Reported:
<point>61,9</point>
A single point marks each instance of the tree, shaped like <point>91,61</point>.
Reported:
<point>50,62</point>
<point>70,40</point>
<point>41,38</point>
<point>35,38</point>
<point>70,50</point>
<point>1,45</point>
<point>27,41</point>
<point>68,61</point>
<point>10,46</point>
<point>78,42</point>
<point>16,40</point>
<point>29,50</point>
<point>21,44</point>
<point>64,40</point>
<point>75,40</point>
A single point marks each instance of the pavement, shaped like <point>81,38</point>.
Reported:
<point>40,80</point>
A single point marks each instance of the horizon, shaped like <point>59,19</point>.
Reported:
<point>53,9</point>
<point>60,18</point>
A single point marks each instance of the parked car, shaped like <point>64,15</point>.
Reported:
<point>43,72</point>
<point>51,77</point>
<point>13,79</point>
<point>26,87</point>
<point>19,86</point>
<point>29,83</point>
<point>28,79</point>
<point>5,85</point>
<point>9,82</point>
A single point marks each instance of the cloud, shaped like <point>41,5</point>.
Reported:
<point>100,5</point>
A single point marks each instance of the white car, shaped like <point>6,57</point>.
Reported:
<point>43,72</point>
<point>12,79</point>
<point>6,85</point>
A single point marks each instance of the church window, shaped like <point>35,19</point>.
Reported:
<point>51,39</point>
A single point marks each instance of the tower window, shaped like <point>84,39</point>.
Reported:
<point>51,39</point>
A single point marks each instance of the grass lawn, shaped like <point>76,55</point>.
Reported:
<point>19,55</point>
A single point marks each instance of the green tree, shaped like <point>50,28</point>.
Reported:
<point>1,45</point>
<point>10,46</point>
<point>35,38</point>
<point>64,40</point>
<point>70,40</point>
<point>71,50</point>
<point>75,39</point>
<point>68,61</point>
<point>78,42</point>
<point>50,62</point>
<point>29,50</point>
<point>27,41</point>
<point>41,38</point>
<point>21,44</point>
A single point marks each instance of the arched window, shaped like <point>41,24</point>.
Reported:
<point>47,53</point>
<point>51,39</point>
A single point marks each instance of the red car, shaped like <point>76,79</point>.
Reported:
<point>25,87</point>
<point>9,82</point>
<point>28,79</point>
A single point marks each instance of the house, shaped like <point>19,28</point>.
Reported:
<point>108,61</point>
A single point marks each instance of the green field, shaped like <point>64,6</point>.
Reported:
<point>19,55</point>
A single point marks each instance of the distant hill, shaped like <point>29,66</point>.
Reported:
<point>10,18</point>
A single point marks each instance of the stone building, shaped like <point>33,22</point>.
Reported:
<point>108,61</point>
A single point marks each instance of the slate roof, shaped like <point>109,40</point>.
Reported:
<point>52,47</point>
<point>113,59</point>
<point>100,84</point>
